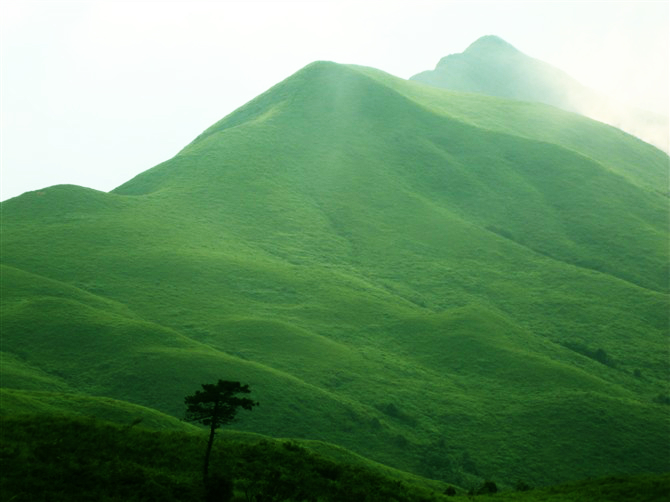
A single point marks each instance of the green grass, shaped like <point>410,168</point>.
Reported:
<point>398,270</point>
<point>63,406</point>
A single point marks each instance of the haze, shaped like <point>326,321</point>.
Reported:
<point>94,93</point>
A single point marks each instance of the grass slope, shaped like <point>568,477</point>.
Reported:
<point>63,407</point>
<point>413,274</point>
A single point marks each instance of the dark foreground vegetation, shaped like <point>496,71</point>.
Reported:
<point>65,459</point>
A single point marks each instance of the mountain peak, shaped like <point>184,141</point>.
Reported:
<point>489,48</point>
<point>492,66</point>
<point>490,43</point>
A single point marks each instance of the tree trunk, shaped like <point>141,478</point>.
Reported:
<point>209,450</point>
<point>211,440</point>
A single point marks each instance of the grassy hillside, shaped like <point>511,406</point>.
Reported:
<point>420,276</point>
<point>65,406</point>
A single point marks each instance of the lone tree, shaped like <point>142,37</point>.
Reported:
<point>216,405</point>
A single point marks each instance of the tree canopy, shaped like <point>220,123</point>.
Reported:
<point>216,405</point>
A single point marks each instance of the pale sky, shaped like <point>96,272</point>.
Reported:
<point>95,92</point>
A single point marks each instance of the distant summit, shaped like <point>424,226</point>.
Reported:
<point>491,43</point>
<point>494,67</point>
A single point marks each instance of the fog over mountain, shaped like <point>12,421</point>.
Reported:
<point>494,67</point>
<point>93,93</point>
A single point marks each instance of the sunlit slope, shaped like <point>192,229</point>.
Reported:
<point>555,199</point>
<point>432,289</point>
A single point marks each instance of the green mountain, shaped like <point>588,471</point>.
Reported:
<point>493,67</point>
<point>455,285</point>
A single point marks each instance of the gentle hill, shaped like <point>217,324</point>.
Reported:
<point>18,405</point>
<point>418,275</point>
<point>493,67</point>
